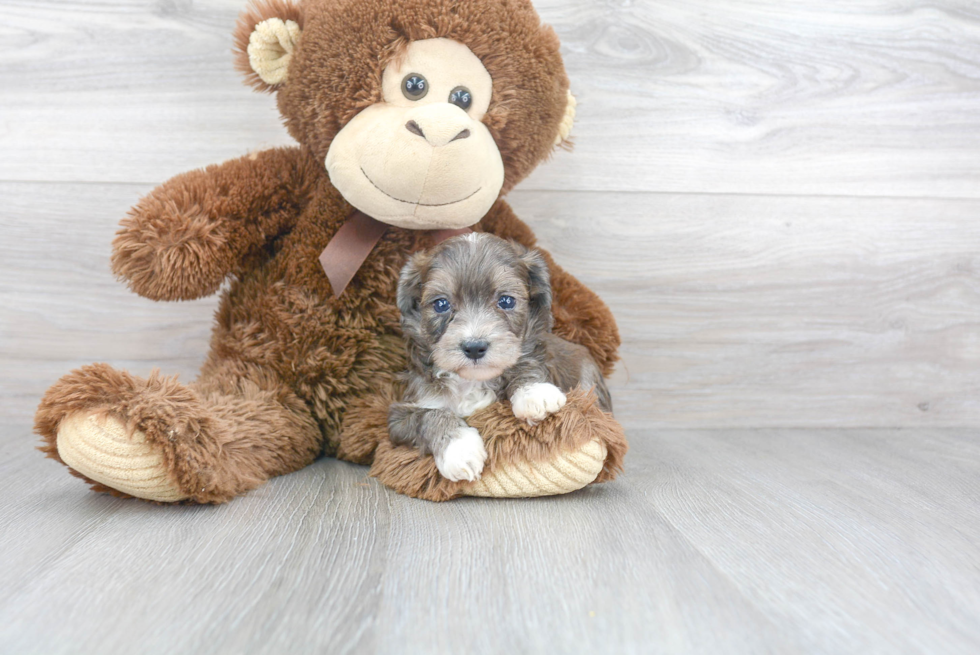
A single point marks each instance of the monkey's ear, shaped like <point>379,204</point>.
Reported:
<point>265,39</point>
<point>410,286</point>
<point>565,127</point>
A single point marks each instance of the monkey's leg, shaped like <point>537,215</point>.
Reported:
<point>157,439</point>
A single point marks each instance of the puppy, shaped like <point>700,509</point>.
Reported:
<point>476,314</point>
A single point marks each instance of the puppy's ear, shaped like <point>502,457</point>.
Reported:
<point>539,283</point>
<point>410,286</point>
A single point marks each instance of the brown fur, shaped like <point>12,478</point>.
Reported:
<point>226,434</point>
<point>254,14</point>
<point>287,359</point>
<point>355,39</point>
<point>507,439</point>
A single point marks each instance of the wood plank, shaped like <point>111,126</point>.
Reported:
<point>705,202</point>
<point>734,310</point>
<point>735,541</point>
<point>761,97</point>
<point>128,574</point>
<point>819,527</point>
<point>60,306</point>
<point>765,311</point>
<point>675,96</point>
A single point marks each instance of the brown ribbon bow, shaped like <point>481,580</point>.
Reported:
<point>353,242</point>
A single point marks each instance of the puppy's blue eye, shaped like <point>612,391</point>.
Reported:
<point>441,306</point>
<point>506,302</point>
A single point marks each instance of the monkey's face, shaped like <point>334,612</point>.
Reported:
<point>421,158</point>
<point>422,112</point>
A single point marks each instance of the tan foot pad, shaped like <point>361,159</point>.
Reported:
<point>100,449</point>
<point>568,472</point>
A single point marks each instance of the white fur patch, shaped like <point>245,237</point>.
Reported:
<point>465,397</point>
<point>464,457</point>
<point>536,401</point>
<point>473,396</point>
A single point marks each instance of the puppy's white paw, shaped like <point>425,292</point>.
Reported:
<point>464,456</point>
<point>536,401</point>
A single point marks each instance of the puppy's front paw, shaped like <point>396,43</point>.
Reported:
<point>536,401</point>
<point>463,458</point>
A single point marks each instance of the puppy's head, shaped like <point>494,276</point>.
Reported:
<point>473,304</point>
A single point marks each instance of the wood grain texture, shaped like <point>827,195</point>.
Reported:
<point>747,541</point>
<point>779,201</point>
<point>770,311</point>
<point>676,96</point>
<point>734,310</point>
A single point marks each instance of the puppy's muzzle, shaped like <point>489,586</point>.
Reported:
<point>475,349</point>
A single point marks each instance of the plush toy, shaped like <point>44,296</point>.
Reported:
<point>413,118</point>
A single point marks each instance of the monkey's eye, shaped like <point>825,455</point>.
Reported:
<point>414,86</point>
<point>506,302</point>
<point>441,306</point>
<point>461,98</point>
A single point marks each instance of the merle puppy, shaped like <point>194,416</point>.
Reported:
<point>476,313</point>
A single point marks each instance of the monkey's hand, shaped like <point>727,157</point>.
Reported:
<point>188,234</point>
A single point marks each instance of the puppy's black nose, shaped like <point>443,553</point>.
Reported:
<point>475,349</point>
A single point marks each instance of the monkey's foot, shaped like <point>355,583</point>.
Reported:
<point>568,471</point>
<point>100,449</point>
<point>578,445</point>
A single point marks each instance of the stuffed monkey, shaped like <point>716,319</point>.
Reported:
<point>413,118</point>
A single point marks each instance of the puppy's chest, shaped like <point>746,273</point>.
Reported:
<point>463,397</point>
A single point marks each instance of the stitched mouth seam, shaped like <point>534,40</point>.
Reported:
<point>418,204</point>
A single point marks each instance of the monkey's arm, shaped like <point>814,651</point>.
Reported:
<point>182,240</point>
<point>580,316</point>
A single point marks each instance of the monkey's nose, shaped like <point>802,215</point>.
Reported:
<point>439,123</point>
<point>414,128</point>
<point>475,348</point>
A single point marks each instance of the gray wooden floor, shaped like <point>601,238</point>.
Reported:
<point>715,541</point>
<point>779,201</point>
